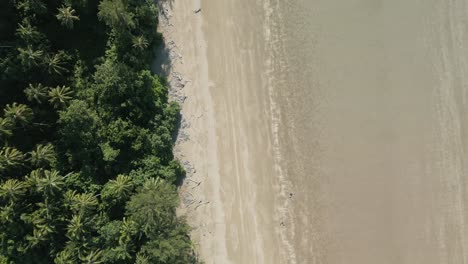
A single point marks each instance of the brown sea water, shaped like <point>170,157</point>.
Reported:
<point>370,100</point>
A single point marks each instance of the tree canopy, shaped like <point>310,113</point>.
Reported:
<point>87,173</point>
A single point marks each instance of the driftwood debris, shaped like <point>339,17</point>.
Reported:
<point>200,204</point>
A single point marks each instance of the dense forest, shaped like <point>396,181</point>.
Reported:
<point>87,173</point>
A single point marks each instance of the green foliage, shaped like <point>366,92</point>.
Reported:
<point>60,96</point>
<point>78,142</point>
<point>122,92</point>
<point>140,42</point>
<point>67,16</point>
<point>37,93</point>
<point>31,7</point>
<point>87,173</point>
<point>6,127</point>
<point>119,189</point>
<point>115,13</point>
<point>173,247</point>
<point>51,183</point>
<point>18,114</point>
<point>55,63</point>
<point>153,207</point>
<point>28,33</point>
<point>11,158</point>
<point>42,156</point>
<point>30,57</point>
<point>12,190</point>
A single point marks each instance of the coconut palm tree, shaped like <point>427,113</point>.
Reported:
<point>6,127</point>
<point>82,203</point>
<point>42,155</point>
<point>128,230</point>
<point>140,42</point>
<point>11,157</point>
<point>60,96</point>
<point>94,257</point>
<point>12,189</point>
<point>65,257</point>
<point>18,114</point>
<point>36,92</point>
<point>123,251</point>
<point>55,62</point>
<point>66,16</point>
<point>34,178</point>
<point>153,183</point>
<point>51,183</point>
<point>141,259</point>
<point>68,198</point>
<point>30,57</point>
<point>76,228</point>
<point>38,237</point>
<point>120,188</point>
<point>31,6</point>
<point>7,213</point>
<point>27,32</point>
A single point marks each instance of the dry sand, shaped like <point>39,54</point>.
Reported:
<point>226,141</point>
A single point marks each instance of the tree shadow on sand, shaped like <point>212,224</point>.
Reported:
<point>162,65</point>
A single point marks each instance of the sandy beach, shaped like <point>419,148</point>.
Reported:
<point>321,131</point>
<point>226,140</point>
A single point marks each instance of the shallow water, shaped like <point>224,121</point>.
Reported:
<point>372,96</point>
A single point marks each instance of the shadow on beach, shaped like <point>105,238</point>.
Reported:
<point>165,55</point>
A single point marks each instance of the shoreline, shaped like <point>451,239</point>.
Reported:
<point>233,196</point>
<point>196,144</point>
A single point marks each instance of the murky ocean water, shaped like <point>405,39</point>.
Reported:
<point>372,101</point>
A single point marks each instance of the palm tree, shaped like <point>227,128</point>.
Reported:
<point>18,113</point>
<point>66,16</point>
<point>152,183</point>
<point>122,251</point>
<point>5,127</point>
<point>65,257</point>
<point>11,157</point>
<point>140,42</point>
<point>94,257</point>
<point>34,178</point>
<point>38,237</point>
<point>7,213</point>
<point>42,155</point>
<point>141,259</point>
<point>128,230</point>
<point>32,7</point>
<point>76,228</point>
<point>82,203</point>
<point>36,93</point>
<point>60,96</point>
<point>120,188</point>
<point>12,190</point>
<point>51,183</point>
<point>30,57</point>
<point>55,62</point>
<point>68,198</point>
<point>27,32</point>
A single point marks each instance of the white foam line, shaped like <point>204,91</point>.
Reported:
<point>273,46</point>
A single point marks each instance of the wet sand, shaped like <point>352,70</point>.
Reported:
<point>323,131</point>
<point>377,105</point>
